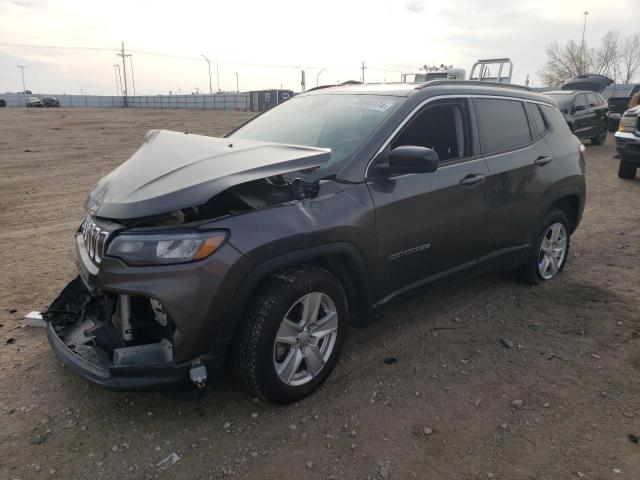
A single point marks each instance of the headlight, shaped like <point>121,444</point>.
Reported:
<point>627,124</point>
<point>165,248</point>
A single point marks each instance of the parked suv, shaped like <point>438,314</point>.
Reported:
<point>262,247</point>
<point>628,143</point>
<point>586,114</point>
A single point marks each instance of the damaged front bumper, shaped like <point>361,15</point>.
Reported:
<point>145,328</point>
<point>90,345</point>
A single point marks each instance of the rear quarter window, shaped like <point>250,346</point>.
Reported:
<point>555,120</point>
<point>539,121</point>
<point>503,124</point>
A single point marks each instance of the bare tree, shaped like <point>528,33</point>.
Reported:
<point>614,57</point>
<point>630,58</point>
<point>563,62</point>
<point>604,59</point>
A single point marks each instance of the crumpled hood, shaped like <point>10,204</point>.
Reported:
<point>174,170</point>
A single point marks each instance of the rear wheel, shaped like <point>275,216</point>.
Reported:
<point>627,170</point>
<point>551,250</point>
<point>293,334</point>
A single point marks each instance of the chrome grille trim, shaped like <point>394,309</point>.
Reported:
<point>95,239</point>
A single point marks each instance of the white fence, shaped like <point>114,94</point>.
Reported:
<point>218,101</point>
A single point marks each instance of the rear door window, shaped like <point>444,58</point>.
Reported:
<point>503,124</point>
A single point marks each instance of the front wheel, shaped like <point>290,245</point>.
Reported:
<point>292,336</point>
<point>551,250</point>
<point>627,170</point>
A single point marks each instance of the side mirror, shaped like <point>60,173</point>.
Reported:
<point>410,159</point>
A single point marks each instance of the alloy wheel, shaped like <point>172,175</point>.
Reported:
<point>305,339</point>
<point>553,249</point>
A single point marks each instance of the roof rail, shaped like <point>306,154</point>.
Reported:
<point>475,83</point>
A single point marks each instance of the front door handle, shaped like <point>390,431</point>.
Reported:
<point>543,160</point>
<point>471,180</point>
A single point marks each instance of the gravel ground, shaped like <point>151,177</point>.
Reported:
<point>484,378</point>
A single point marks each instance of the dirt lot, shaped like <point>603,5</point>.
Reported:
<point>574,362</point>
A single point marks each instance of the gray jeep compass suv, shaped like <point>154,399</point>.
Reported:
<point>259,249</point>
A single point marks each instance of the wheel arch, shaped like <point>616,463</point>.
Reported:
<point>570,202</point>
<point>342,259</point>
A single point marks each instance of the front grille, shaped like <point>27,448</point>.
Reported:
<point>95,239</point>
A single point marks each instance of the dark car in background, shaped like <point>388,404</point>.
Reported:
<point>586,113</point>
<point>50,102</point>
<point>258,250</point>
<point>587,83</point>
<point>618,98</point>
<point>3,102</point>
<point>34,102</point>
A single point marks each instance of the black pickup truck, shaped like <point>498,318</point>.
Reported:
<point>618,97</point>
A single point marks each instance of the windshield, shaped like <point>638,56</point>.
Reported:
<point>564,100</point>
<point>339,122</point>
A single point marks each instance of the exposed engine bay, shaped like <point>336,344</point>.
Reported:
<point>241,198</point>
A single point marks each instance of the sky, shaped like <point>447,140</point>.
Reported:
<point>268,43</point>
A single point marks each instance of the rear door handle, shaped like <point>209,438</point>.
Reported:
<point>542,160</point>
<point>471,180</point>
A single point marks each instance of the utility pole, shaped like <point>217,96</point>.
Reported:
<point>584,29</point>
<point>209,64</point>
<point>318,76</point>
<point>526,82</point>
<point>124,67</point>
<point>363,67</point>
<point>22,67</point>
<point>237,83</point>
<point>303,82</point>
<point>133,81</point>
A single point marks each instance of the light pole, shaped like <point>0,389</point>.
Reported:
<point>118,77</point>
<point>237,83</point>
<point>217,75</point>
<point>318,76</point>
<point>22,67</point>
<point>584,29</point>
<point>133,81</point>
<point>115,74</point>
<point>209,64</point>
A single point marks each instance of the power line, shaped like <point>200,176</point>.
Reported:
<point>381,68</point>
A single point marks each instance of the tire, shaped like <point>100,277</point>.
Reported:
<point>627,170</point>
<point>260,362</point>
<point>530,273</point>
<point>602,137</point>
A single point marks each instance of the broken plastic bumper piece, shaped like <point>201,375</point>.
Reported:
<point>87,334</point>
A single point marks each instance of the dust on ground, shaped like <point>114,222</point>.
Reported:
<point>446,408</point>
